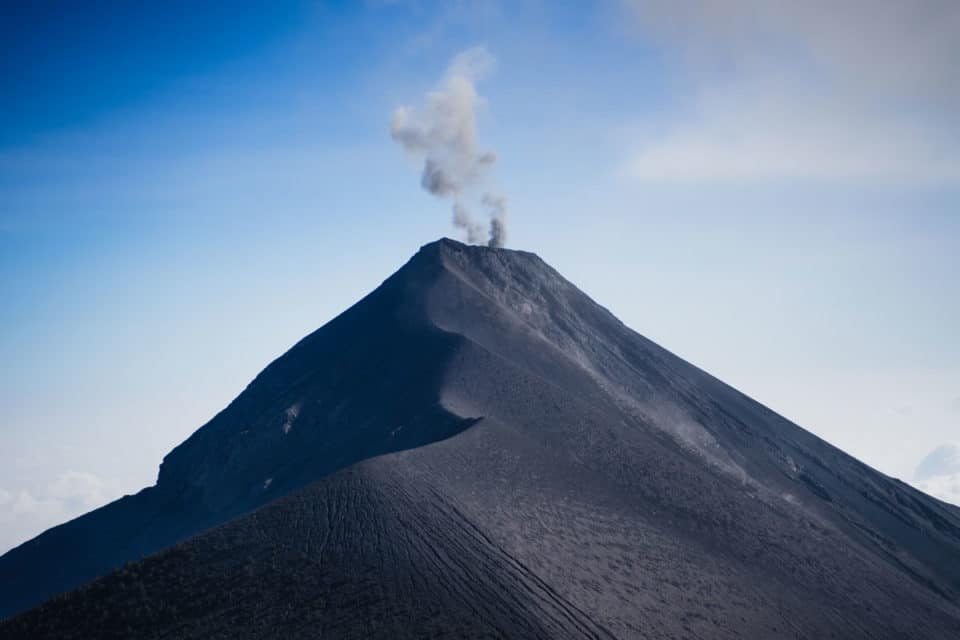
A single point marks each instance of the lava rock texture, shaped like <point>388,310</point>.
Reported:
<point>477,449</point>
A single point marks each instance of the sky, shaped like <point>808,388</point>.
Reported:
<point>769,189</point>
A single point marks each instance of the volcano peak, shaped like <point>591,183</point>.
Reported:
<point>477,448</point>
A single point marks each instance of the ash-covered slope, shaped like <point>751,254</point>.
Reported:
<point>368,552</point>
<point>581,481</point>
<point>366,383</point>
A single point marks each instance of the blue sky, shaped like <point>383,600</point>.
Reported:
<point>769,190</point>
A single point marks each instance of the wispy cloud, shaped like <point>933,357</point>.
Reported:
<point>945,487</point>
<point>857,90</point>
<point>939,473</point>
<point>24,512</point>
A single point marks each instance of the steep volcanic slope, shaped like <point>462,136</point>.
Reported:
<point>364,384</point>
<point>581,481</point>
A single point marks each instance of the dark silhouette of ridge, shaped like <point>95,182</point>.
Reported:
<point>477,449</point>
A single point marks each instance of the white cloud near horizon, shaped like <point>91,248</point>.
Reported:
<point>24,513</point>
<point>854,90</point>
<point>939,473</point>
<point>945,487</point>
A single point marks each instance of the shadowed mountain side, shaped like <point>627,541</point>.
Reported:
<point>646,495</point>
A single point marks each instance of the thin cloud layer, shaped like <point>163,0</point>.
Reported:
<point>850,90</point>
<point>945,487</point>
<point>939,473</point>
<point>24,513</point>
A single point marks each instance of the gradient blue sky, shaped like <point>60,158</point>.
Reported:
<point>769,189</point>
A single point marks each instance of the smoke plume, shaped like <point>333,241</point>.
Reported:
<point>497,206</point>
<point>463,220</point>
<point>444,135</point>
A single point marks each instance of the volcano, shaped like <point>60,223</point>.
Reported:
<point>477,449</point>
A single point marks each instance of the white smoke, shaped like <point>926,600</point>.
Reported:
<point>497,206</point>
<point>444,134</point>
<point>462,220</point>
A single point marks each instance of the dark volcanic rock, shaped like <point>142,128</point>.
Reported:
<point>490,453</point>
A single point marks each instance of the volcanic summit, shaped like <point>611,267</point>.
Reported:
<point>478,449</point>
